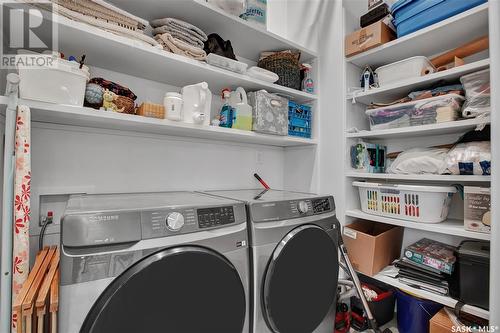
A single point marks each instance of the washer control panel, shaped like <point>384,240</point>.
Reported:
<point>175,221</point>
<point>321,205</point>
<point>211,217</point>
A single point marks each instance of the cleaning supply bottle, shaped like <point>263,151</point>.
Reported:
<point>307,83</point>
<point>226,115</point>
<point>243,111</point>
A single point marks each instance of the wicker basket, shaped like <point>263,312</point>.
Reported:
<point>151,110</point>
<point>126,103</point>
<point>286,65</point>
<point>93,9</point>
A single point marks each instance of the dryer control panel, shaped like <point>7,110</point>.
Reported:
<point>282,210</point>
<point>211,217</point>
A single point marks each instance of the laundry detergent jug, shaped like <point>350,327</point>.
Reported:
<point>197,101</point>
<point>243,111</point>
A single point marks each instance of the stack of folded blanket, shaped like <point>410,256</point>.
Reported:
<point>180,37</point>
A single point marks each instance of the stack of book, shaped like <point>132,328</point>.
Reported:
<point>427,265</point>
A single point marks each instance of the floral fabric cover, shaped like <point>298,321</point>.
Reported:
<point>22,211</point>
<point>270,112</point>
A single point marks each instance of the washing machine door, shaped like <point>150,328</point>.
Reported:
<point>300,281</point>
<point>183,289</point>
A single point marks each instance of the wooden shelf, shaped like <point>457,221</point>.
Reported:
<point>451,127</point>
<point>400,89</point>
<point>449,227</point>
<point>431,178</point>
<point>439,37</point>
<point>247,39</point>
<point>445,300</point>
<point>88,117</point>
<point>124,55</point>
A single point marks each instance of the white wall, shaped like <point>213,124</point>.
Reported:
<point>296,20</point>
<point>331,76</point>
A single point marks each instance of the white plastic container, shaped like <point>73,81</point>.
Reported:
<point>426,204</point>
<point>64,83</point>
<point>173,106</point>
<point>403,70</point>
<point>262,74</point>
<point>226,63</point>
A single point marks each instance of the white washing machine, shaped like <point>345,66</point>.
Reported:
<point>156,262</point>
<point>294,260</point>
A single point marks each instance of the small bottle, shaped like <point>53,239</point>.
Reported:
<point>226,115</point>
<point>307,83</point>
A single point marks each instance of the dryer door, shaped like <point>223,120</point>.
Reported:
<point>183,289</point>
<point>301,279</point>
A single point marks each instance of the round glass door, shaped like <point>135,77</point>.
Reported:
<point>184,289</point>
<point>301,279</point>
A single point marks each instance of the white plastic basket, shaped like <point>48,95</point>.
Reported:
<point>403,70</point>
<point>64,83</point>
<point>427,204</point>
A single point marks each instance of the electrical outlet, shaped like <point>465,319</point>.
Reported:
<point>55,204</point>
<point>259,157</point>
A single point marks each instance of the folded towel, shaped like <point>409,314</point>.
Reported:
<point>180,25</point>
<point>177,46</point>
<point>179,34</point>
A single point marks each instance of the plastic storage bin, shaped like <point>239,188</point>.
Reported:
<point>414,313</point>
<point>421,112</point>
<point>477,93</point>
<point>64,83</point>
<point>427,204</point>
<point>299,120</point>
<point>474,273</point>
<point>226,63</point>
<point>403,70</point>
<point>382,308</point>
<point>413,15</point>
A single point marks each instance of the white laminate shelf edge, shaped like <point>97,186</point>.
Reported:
<point>431,178</point>
<point>88,117</point>
<point>450,127</point>
<point>449,227</point>
<point>248,39</point>
<point>107,50</point>
<point>399,89</point>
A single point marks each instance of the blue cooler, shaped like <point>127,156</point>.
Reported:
<point>412,15</point>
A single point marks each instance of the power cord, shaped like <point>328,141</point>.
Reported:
<point>46,221</point>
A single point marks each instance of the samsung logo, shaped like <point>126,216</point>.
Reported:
<point>103,218</point>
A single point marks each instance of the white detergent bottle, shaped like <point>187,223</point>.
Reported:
<point>243,117</point>
<point>197,100</point>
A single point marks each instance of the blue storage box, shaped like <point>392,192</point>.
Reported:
<point>299,120</point>
<point>412,15</point>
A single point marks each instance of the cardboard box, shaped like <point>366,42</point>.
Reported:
<point>477,209</point>
<point>367,38</point>
<point>372,246</point>
<point>440,323</point>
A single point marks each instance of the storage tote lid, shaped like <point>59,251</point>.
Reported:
<point>476,249</point>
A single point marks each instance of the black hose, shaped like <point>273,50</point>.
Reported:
<point>42,233</point>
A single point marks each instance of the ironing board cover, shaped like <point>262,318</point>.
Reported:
<point>22,192</point>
